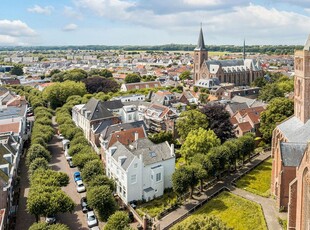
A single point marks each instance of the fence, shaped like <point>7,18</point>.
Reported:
<point>196,207</point>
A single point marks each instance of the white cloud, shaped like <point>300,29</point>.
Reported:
<point>203,2</point>
<point>72,13</point>
<point>47,10</point>
<point>70,27</point>
<point>15,28</point>
<point>13,32</point>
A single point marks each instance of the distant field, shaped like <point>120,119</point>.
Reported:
<point>258,181</point>
<point>236,212</point>
<point>215,53</point>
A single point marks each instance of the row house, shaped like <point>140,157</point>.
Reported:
<point>247,120</point>
<point>141,169</point>
<point>140,85</point>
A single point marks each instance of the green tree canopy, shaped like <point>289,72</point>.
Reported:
<point>17,70</point>
<point>277,111</point>
<point>185,75</point>
<point>48,177</point>
<point>101,180</point>
<point>38,163</point>
<point>132,78</point>
<point>118,221</point>
<point>101,199</point>
<point>45,226</point>
<point>269,92</point>
<point>100,72</point>
<point>199,142</point>
<point>92,169</point>
<point>58,93</point>
<point>37,151</point>
<point>190,120</point>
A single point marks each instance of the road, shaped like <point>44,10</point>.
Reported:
<point>77,219</point>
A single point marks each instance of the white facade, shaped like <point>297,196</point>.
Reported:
<point>132,97</point>
<point>136,179</point>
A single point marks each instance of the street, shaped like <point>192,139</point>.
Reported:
<point>77,219</point>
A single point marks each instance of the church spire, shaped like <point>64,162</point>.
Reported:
<point>201,42</point>
<point>243,49</point>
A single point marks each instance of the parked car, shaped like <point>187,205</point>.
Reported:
<point>30,114</point>
<point>84,204</point>
<point>133,204</point>
<point>70,162</point>
<point>60,136</point>
<point>77,176</point>
<point>80,187</point>
<point>50,219</point>
<point>91,219</point>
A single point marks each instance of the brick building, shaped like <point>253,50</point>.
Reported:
<point>238,71</point>
<point>290,150</point>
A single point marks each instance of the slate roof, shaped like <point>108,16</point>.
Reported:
<point>102,125</point>
<point>294,130</point>
<point>292,153</point>
<point>123,126</point>
<point>201,43</point>
<point>234,107</point>
<point>116,104</point>
<point>145,147</point>
<point>96,109</point>
<point>123,151</point>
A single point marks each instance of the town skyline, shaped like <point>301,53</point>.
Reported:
<point>135,22</point>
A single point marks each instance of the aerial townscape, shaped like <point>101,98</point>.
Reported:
<point>154,115</point>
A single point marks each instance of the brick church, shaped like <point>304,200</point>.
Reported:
<point>241,72</point>
<point>290,182</point>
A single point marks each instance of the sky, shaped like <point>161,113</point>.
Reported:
<point>153,22</point>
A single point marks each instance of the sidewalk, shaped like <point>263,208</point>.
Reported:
<point>226,182</point>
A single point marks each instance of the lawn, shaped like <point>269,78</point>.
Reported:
<point>156,206</point>
<point>236,212</point>
<point>258,181</point>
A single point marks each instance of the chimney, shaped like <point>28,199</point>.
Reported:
<point>136,140</point>
<point>172,150</point>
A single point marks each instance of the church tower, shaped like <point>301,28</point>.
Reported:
<point>200,55</point>
<point>302,83</point>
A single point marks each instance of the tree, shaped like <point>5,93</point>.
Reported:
<point>202,222</point>
<point>46,226</point>
<point>17,70</point>
<point>219,121</point>
<point>38,163</point>
<point>100,72</point>
<point>92,169</point>
<point>185,75</point>
<point>132,78</point>
<point>246,144</point>
<point>101,199</point>
<point>269,92</point>
<point>118,221</point>
<point>37,151</point>
<point>100,180</point>
<point>100,84</point>
<point>47,200</point>
<point>190,120</point>
<point>277,111</point>
<point>75,75</point>
<point>48,177</point>
<point>199,142</point>
<point>53,71</point>
<point>58,93</point>
<point>260,82</point>
<point>180,181</point>
<point>81,159</point>
<point>161,137</point>
<point>234,150</point>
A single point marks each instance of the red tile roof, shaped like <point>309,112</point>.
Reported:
<point>14,127</point>
<point>245,127</point>
<point>126,137</point>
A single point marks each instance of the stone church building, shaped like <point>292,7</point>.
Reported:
<point>241,72</point>
<point>290,182</point>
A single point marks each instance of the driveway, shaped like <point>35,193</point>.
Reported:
<point>77,219</point>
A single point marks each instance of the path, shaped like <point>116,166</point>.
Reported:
<point>23,219</point>
<point>226,182</point>
<point>268,205</point>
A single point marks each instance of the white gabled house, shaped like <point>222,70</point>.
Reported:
<point>141,170</point>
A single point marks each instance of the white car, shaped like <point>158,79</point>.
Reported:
<point>80,186</point>
<point>91,219</point>
<point>60,136</point>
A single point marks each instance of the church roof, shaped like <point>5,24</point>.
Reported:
<point>307,45</point>
<point>295,131</point>
<point>292,153</point>
<point>201,42</point>
<point>235,65</point>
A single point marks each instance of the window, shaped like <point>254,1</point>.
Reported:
<point>135,165</point>
<point>158,177</point>
<point>129,117</point>
<point>133,179</point>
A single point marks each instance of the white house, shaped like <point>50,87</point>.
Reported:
<point>141,170</point>
<point>131,97</point>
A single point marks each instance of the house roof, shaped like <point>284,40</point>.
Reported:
<point>127,136</point>
<point>116,104</point>
<point>152,153</point>
<point>292,153</point>
<point>122,151</point>
<point>96,109</point>
<point>14,127</point>
<point>142,85</point>
<point>118,127</point>
<point>245,126</point>
<point>234,107</point>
